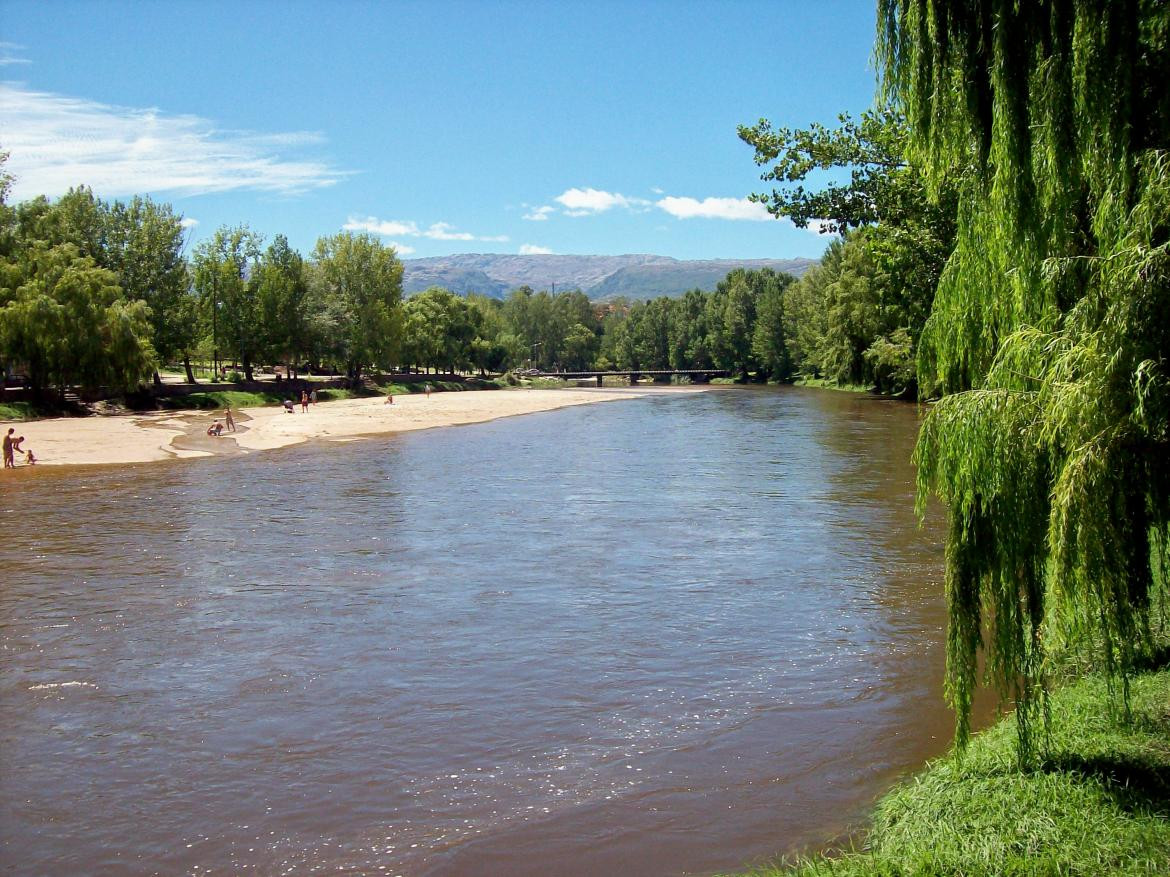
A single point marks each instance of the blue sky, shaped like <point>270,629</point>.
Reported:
<point>443,127</point>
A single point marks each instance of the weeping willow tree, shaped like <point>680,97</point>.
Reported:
<point>1049,337</point>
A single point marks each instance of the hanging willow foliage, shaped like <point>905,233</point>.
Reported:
<point>1050,332</point>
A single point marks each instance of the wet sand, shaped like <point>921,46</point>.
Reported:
<point>144,438</point>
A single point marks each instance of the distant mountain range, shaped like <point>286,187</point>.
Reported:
<point>637,277</point>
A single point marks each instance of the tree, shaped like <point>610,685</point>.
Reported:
<point>143,244</point>
<point>282,291</point>
<point>731,319</point>
<point>439,329</point>
<point>688,334</point>
<point>1048,328</point>
<point>882,186</point>
<point>493,348</point>
<point>226,269</point>
<point>63,316</point>
<point>909,233</point>
<point>362,285</point>
<point>68,322</point>
<point>769,347</point>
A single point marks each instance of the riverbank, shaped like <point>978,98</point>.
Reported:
<point>1099,805</point>
<point>144,438</point>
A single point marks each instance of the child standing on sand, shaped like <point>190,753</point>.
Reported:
<point>228,420</point>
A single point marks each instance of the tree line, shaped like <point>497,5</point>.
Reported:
<point>101,294</point>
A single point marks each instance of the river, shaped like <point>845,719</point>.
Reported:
<point>669,635</point>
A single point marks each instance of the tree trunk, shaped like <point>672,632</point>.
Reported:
<point>187,368</point>
<point>247,368</point>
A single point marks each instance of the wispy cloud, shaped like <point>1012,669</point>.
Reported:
<point>58,142</point>
<point>534,250</point>
<point>539,214</point>
<point>402,249</point>
<point>384,227</point>
<point>10,53</point>
<point>739,209</point>
<point>438,231</point>
<point>188,222</point>
<point>585,202</point>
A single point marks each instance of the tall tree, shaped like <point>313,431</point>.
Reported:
<point>143,244</point>
<point>67,321</point>
<point>282,290</point>
<point>226,269</point>
<point>63,316</point>
<point>362,281</point>
<point>1049,325</point>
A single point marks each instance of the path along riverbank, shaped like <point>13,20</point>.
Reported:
<point>145,438</point>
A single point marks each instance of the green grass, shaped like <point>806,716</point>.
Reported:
<point>1098,805</point>
<point>826,384</point>
<point>405,388</point>
<point>222,399</point>
<point>19,411</point>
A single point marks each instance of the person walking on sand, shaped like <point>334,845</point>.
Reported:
<point>8,462</point>
<point>304,401</point>
<point>228,420</point>
<point>427,390</point>
<point>313,396</point>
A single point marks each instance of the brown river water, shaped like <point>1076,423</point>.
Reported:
<point>671,635</point>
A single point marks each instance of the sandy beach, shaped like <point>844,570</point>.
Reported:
<point>116,439</point>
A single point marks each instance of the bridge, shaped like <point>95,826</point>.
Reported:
<point>696,375</point>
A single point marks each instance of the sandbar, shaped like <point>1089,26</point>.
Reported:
<point>143,438</point>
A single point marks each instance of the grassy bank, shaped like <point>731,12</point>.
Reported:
<point>1099,804</point>
<point>826,384</point>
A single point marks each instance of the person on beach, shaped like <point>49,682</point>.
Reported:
<point>215,429</point>
<point>288,406</point>
<point>304,401</point>
<point>313,396</point>
<point>16,446</point>
<point>29,458</point>
<point>427,390</point>
<point>8,462</point>
<point>389,399</point>
<point>228,420</point>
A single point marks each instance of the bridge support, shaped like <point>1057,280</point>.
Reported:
<point>599,379</point>
<point>634,379</point>
<point>700,378</point>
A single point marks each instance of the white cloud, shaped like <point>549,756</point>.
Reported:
<point>403,249</point>
<point>188,222</point>
<point>534,250</point>
<point>715,208</point>
<point>438,231</point>
<point>385,227</point>
<point>583,202</point>
<point>444,231</point>
<point>539,214</point>
<point>10,54</point>
<point>57,142</point>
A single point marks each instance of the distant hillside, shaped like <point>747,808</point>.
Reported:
<point>600,277</point>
